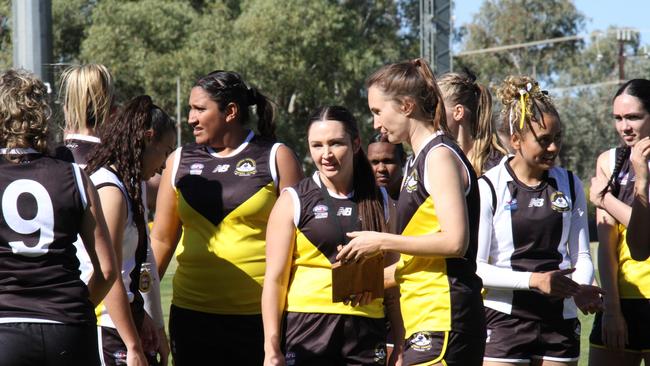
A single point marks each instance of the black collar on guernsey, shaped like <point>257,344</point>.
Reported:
<point>337,222</point>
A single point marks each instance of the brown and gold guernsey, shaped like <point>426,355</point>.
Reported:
<point>224,204</point>
<point>633,276</point>
<point>438,294</point>
<point>317,236</point>
<point>43,202</point>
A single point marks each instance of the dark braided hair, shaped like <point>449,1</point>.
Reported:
<point>123,145</point>
<point>639,88</point>
<point>226,87</point>
<point>614,184</point>
<point>368,197</point>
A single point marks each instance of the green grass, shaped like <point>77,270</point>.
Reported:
<point>585,321</point>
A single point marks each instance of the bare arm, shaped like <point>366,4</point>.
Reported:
<point>616,208</point>
<point>97,242</point>
<point>638,230</point>
<point>289,171</point>
<point>280,240</point>
<point>116,301</point>
<point>167,225</point>
<point>447,182</point>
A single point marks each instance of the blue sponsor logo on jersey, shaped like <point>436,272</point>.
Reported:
<point>511,205</point>
<point>320,211</point>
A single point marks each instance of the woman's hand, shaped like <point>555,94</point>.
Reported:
<point>364,244</point>
<point>614,329</point>
<point>639,158</point>
<point>274,358</point>
<point>361,299</point>
<point>555,283</point>
<point>598,183</point>
<point>589,299</point>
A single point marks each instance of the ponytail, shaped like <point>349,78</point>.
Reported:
<point>433,94</point>
<point>226,87</point>
<point>413,79</point>
<point>265,112</point>
<point>486,141</point>
<point>614,184</point>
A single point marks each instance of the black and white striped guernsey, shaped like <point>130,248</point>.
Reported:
<point>531,229</point>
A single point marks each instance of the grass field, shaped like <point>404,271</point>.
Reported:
<point>585,321</point>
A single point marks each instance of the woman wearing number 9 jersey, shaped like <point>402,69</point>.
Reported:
<point>46,311</point>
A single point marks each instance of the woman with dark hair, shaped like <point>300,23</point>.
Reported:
<point>219,192</point>
<point>468,105</point>
<point>306,227</point>
<point>134,147</point>
<point>46,311</point>
<point>620,334</point>
<point>533,245</point>
<point>440,298</point>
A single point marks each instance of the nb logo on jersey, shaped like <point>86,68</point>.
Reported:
<point>221,168</point>
<point>344,211</point>
<point>536,202</point>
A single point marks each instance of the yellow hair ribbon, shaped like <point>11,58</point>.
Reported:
<point>523,98</point>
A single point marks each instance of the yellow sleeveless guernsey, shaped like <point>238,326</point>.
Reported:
<point>224,204</point>
<point>438,294</point>
<point>310,286</point>
<point>633,276</point>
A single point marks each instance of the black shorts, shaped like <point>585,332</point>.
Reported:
<point>333,339</point>
<point>199,338</point>
<point>114,349</point>
<point>48,344</point>
<point>513,339</point>
<point>637,316</point>
<point>450,348</point>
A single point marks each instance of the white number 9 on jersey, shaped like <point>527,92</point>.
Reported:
<point>43,220</point>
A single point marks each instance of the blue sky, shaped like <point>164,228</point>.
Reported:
<point>600,14</point>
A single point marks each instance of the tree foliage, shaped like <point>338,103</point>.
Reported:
<point>510,22</point>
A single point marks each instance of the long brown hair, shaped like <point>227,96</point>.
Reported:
<point>413,79</point>
<point>123,145</point>
<point>369,198</point>
<point>463,89</point>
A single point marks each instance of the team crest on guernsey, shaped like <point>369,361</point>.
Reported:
<point>421,341</point>
<point>145,278</point>
<point>246,167</point>
<point>380,354</point>
<point>411,183</point>
<point>196,169</point>
<point>320,212</point>
<point>559,202</point>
